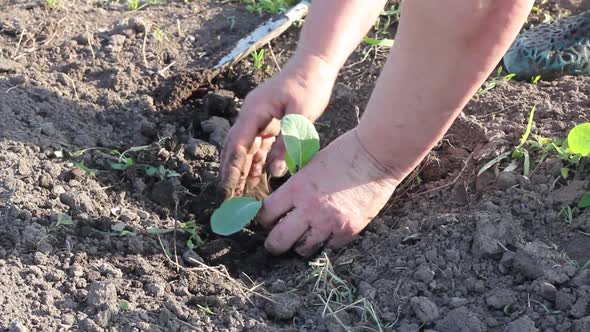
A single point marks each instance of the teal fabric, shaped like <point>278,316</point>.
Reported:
<point>552,50</point>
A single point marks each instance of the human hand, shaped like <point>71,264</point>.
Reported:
<point>329,201</point>
<point>303,87</point>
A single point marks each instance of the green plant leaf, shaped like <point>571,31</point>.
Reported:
<point>584,201</point>
<point>155,230</point>
<point>301,140</point>
<point>379,42</point>
<point>529,127</point>
<point>62,219</point>
<point>124,305</point>
<point>234,214</point>
<point>565,172</point>
<point>578,140</point>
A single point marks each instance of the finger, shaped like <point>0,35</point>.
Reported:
<point>338,241</point>
<point>245,169</point>
<point>275,206</point>
<point>313,240</point>
<point>232,171</point>
<point>255,182</point>
<point>276,159</point>
<point>286,233</point>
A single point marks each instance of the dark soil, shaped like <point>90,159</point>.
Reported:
<point>452,252</point>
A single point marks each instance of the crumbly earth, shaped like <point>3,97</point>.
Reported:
<point>453,251</point>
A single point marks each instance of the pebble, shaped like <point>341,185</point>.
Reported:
<point>189,257</point>
<point>523,324</point>
<point>285,306</point>
<point>457,302</point>
<point>155,290</point>
<point>580,308</point>
<point>564,301</point>
<point>460,319</point>
<point>424,274</point>
<point>425,310</point>
<point>100,293</point>
<point>545,290</point>
<point>501,298</point>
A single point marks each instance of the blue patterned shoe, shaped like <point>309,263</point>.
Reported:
<point>551,50</point>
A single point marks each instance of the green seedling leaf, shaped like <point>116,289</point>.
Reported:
<point>584,201</point>
<point>565,172</point>
<point>89,171</point>
<point>234,214</point>
<point>124,305</point>
<point>493,162</point>
<point>379,42</point>
<point>529,127</point>
<point>64,220</point>
<point>578,140</point>
<point>301,141</point>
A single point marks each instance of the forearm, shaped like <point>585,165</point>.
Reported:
<point>332,30</point>
<point>444,51</point>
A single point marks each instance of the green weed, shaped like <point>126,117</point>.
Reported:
<point>159,35</point>
<point>133,4</point>
<point>494,81</point>
<point>52,4</point>
<point>191,228</point>
<point>258,58</point>
<point>268,6</point>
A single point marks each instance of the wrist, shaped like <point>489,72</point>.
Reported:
<point>313,67</point>
<point>393,164</point>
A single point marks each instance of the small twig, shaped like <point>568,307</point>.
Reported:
<point>166,253</point>
<point>19,43</point>
<point>163,70</point>
<point>274,58</point>
<point>186,324</point>
<point>12,88</point>
<point>73,85</point>
<point>175,231</point>
<point>89,37</point>
<point>147,30</point>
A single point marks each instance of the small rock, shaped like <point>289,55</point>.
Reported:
<point>523,324</point>
<point>581,279</point>
<point>143,215</point>
<point>17,327</point>
<point>128,216</point>
<point>217,128</point>
<point>103,317</point>
<point>506,180</point>
<point>545,290</point>
<point>286,306</point>
<point>25,215</point>
<point>582,325</point>
<point>222,103</point>
<point>501,298</point>
<point>569,194</point>
<point>155,290</point>
<point>100,293</point>
<point>564,301</point>
<point>424,274</point>
<point>137,24</point>
<point>165,192</point>
<point>425,310</point>
<point>77,201</point>
<point>460,320</point>
<point>580,309</point>
<point>457,302</point>
<point>191,258</point>
<point>89,325</point>
<point>9,66</point>
<point>490,235</point>
<point>201,150</point>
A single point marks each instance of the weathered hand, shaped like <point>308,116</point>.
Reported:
<point>329,201</point>
<point>303,87</point>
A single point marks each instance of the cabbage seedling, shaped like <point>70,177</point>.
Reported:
<point>302,142</point>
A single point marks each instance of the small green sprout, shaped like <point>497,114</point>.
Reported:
<point>124,305</point>
<point>52,3</point>
<point>133,4</point>
<point>160,35</point>
<point>535,79</point>
<point>584,201</point>
<point>258,58</point>
<point>385,42</point>
<point>302,142</point>
<point>492,83</point>
<point>63,220</point>
<point>268,6</point>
